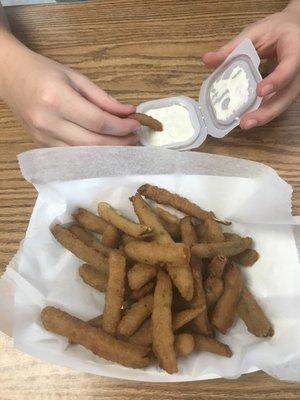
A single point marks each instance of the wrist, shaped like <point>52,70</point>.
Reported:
<point>294,8</point>
<point>9,46</point>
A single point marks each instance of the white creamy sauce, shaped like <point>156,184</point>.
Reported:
<point>228,95</point>
<point>177,126</point>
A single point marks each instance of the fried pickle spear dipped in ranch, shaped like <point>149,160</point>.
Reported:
<point>111,216</point>
<point>88,254</point>
<point>163,196</point>
<point>181,273</point>
<point>163,337</point>
<point>94,339</point>
<point>146,120</point>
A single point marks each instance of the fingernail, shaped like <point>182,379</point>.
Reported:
<point>251,123</point>
<point>267,89</point>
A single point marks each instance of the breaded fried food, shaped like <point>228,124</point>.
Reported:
<point>115,290</point>
<point>147,217</point>
<point>90,221</point>
<point>153,253</point>
<point>142,292</point>
<point>89,239</point>
<point>225,310</point>
<point>183,317</point>
<point>143,336</point>
<point>140,274</point>
<point>201,323</point>
<point>214,288</point>
<point>212,232</point>
<point>86,253</point>
<point>122,223</point>
<point>146,120</point>
<point>253,316</point>
<point>96,322</point>
<point>184,344</point>
<point>229,237</point>
<point>163,196</point>
<point>204,343</point>
<point>247,258</point>
<point>135,316</point>
<point>111,237</point>
<point>94,339</point>
<point>216,266</point>
<point>170,222</point>
<point>228,249</point>
<point>93,277</point>
<point>163,337</point>
<point>188,232</point>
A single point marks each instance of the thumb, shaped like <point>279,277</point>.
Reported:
<point>215,58</point>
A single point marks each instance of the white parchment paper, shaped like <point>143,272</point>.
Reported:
<point>252,195</point>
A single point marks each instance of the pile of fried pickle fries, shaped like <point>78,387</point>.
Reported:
<point>170,283</point>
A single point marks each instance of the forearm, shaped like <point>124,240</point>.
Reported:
<point>4,26</point>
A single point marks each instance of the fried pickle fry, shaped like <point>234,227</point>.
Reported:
<point>163,196</point>
<point>247,258</point>
<point>170,222</point>
<point>204,343</point>
<point>135,316</point>
<point>201,323</point>
<point>90,221</point>
<point>115,290</point>
<point>214,288</point>
<point>163,337</point>
<point>93,277</point>
<point>89,239</point>
<point>111,237</point>
<point>96,322</point>
<point>184,344</point>
<point>253,316</point>
<point>185,316</point>
<point>87,254</point>
<point>187,230</point>
<point>229,237</point>
<point>122,223</point>
<point>146,120</point>
<point>228,249</point>
<point>94,339</point>
<point>143,336</point>
<point>216,266</point>
<point>143,291</point>
<point>225,311</point>
<point>147,217</point>
<point>212,232</point>
<point>152,253</point>
<point>140,274</point>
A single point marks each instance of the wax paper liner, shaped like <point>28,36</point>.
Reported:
<point>250,194</point>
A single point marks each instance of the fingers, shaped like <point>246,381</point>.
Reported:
<point>215,58</point>
<point>82,112</point>
<point>99,97</point>
<point>286,70</point>
<point>74,135</point>
<point>272,107</point>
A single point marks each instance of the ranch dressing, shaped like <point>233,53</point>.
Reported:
<point>229,95</point>
<point>177,126</point>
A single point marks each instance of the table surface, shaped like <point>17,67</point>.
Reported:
<point>137,50</point>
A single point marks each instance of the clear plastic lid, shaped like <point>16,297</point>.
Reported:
<point>230,91</point>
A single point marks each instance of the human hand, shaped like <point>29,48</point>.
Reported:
<point>277,39</point>
<point>57,105</point>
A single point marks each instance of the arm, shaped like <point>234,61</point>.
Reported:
<point>56,105</point>
<point>277,39</point>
